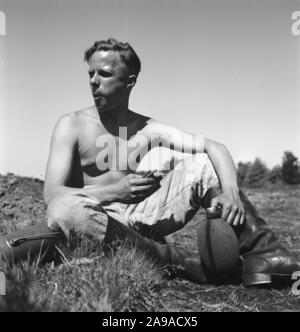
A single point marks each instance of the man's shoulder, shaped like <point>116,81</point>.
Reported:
<point>67,125</point>
<point>153,125</point>
<point>72,119</point>
<point>137,116</point>
<point>150,126</point>
<point>67,122</point>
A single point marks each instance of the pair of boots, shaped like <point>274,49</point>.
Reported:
<point>264,258</point>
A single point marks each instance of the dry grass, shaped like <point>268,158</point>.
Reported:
<point>88,280</point>
<point>125,281</point>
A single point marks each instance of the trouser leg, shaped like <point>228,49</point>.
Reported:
<point>178,199</point>
<point>79,214</point>
<point>82,215</point>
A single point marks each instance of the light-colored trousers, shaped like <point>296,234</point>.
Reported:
<point>164,212</point>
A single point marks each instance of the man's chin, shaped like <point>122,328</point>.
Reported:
<point>101,109</point>
<point>101,106</point>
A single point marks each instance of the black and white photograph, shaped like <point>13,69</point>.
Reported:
<point>149,158</point>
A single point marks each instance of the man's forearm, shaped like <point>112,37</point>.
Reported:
<point>105,194</point>
<point>223,165</point>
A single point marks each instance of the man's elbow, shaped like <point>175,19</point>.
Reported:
<point>222,146</point>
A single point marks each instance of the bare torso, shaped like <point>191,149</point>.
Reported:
<point>104,157</point>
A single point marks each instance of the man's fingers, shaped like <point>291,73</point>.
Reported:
<point>232,216</point>
<point>238,218</point>
<point>243,218</point>
<point>143,181</point>
<point>225,212</point>
<point>140,190</point>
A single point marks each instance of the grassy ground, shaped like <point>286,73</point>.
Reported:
<point>88,280</point>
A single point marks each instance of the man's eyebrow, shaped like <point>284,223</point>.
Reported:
<point>103,70</point>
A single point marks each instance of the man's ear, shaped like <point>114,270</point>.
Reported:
<point>131,81</point>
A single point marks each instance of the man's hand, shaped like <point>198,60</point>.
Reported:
<point>233,211</point>
<point>135,188</point>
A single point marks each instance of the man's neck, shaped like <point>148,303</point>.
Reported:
<point>115,118</point>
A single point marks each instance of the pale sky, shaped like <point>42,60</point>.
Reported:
<point>228,69</point>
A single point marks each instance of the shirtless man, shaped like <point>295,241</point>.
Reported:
<point>92,186</point>
<point>111,81</point>
<point>113,69</point>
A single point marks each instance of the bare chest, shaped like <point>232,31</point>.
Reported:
<point>101,151</point>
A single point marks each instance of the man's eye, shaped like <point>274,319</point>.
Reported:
<point>101,73</point>
<point>105,73</point>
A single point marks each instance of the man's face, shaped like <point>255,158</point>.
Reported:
<point>108,80</point>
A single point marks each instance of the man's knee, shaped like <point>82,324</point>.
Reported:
<point>194,163</point>
<point>200,168</point>
<point>73,211</point>
<point>60,212</point>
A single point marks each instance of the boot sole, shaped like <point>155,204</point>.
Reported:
<point>257,279</point>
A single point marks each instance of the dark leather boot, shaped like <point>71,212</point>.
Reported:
<point>162,253</point>
<point>36,241</point>
<point>264,257</point>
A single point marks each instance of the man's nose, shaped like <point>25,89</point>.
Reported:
<point>95,79</point>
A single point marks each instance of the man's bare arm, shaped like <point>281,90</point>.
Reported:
<point>222,162</point>
<point>232,206</point>
<point>171,137</point>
